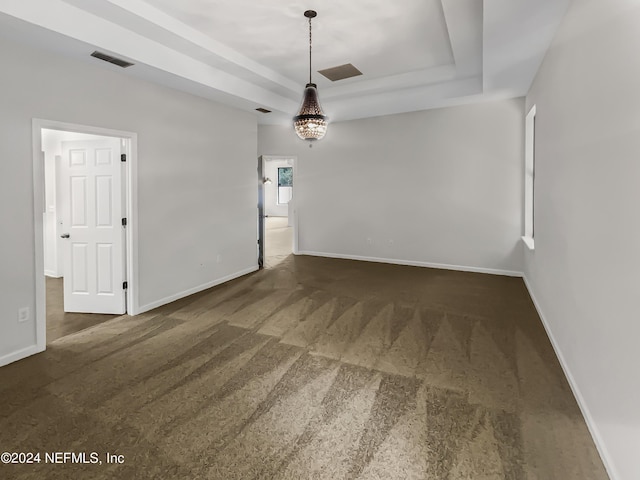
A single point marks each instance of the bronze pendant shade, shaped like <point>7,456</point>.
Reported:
<point>310,123</point>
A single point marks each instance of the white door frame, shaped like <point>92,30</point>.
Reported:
<point>130,185</point>
<point>294,221</point>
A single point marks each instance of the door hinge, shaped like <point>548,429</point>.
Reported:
<point>123,157</point>
<point>124,285</point>
<point>124,222</point>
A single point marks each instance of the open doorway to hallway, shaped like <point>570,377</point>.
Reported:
<point>84,221</point>
<point>278,186</point>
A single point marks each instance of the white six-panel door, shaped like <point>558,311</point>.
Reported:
<point>94,261</point>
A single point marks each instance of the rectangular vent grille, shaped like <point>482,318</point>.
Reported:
<point>110,59</point>
<point>341,72</point>
<point>263,110</point>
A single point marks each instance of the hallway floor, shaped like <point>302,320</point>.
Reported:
<point>59,323</point>
<point>278,241</point>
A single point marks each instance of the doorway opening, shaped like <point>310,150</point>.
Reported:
<point>278,216</point>
<point>84,227</point>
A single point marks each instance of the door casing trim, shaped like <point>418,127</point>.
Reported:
<point>294,209</point>
<point>130,184</point>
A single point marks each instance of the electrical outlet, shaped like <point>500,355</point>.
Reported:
<point>23,314</point>
<point>369,241</point>
<point>219,258</point>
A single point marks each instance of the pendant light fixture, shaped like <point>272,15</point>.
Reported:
<point>310,123</point>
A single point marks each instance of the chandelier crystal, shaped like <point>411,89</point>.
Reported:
<point>310,123</point>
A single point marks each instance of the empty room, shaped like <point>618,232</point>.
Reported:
<point>320,240</point>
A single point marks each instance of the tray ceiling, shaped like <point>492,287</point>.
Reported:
<point>413,55</point>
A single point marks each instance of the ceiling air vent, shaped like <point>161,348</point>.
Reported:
<point>263,110</point>
<point>340,73</point>
<point>110,59</point>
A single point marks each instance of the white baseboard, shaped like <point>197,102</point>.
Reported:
<point>20,354</point>
<point>588,418</point>
<point>191,291</point>
<point>412,263</point>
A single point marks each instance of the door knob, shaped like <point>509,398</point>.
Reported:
<point>65,235</point>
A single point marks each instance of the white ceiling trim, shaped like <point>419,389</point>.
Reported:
<point>465,23</point>
<point>179,30</point>
<point>496,47</point>
<point>66,19</point>
<point>393,82</point>
<point>405,100</point>
<point>514,49</point>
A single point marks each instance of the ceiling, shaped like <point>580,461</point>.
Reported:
<point>414,54</point>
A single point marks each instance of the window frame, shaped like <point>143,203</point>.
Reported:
<point>278,184</point>
<point>529,178</point>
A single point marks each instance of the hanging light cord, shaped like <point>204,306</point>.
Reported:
<point>309,49</point>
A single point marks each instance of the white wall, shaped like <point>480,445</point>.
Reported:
<point>271,206</point>
<point>197,190</point>
<point>433,187</point>
<point>584,271</point>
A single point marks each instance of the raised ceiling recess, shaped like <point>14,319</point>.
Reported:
<point>415,54</point>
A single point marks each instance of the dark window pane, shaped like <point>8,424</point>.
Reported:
<point>285,177</point>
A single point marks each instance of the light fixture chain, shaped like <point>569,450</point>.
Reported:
<point>310,50</point>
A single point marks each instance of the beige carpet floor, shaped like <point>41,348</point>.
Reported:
<point>312,369</point>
